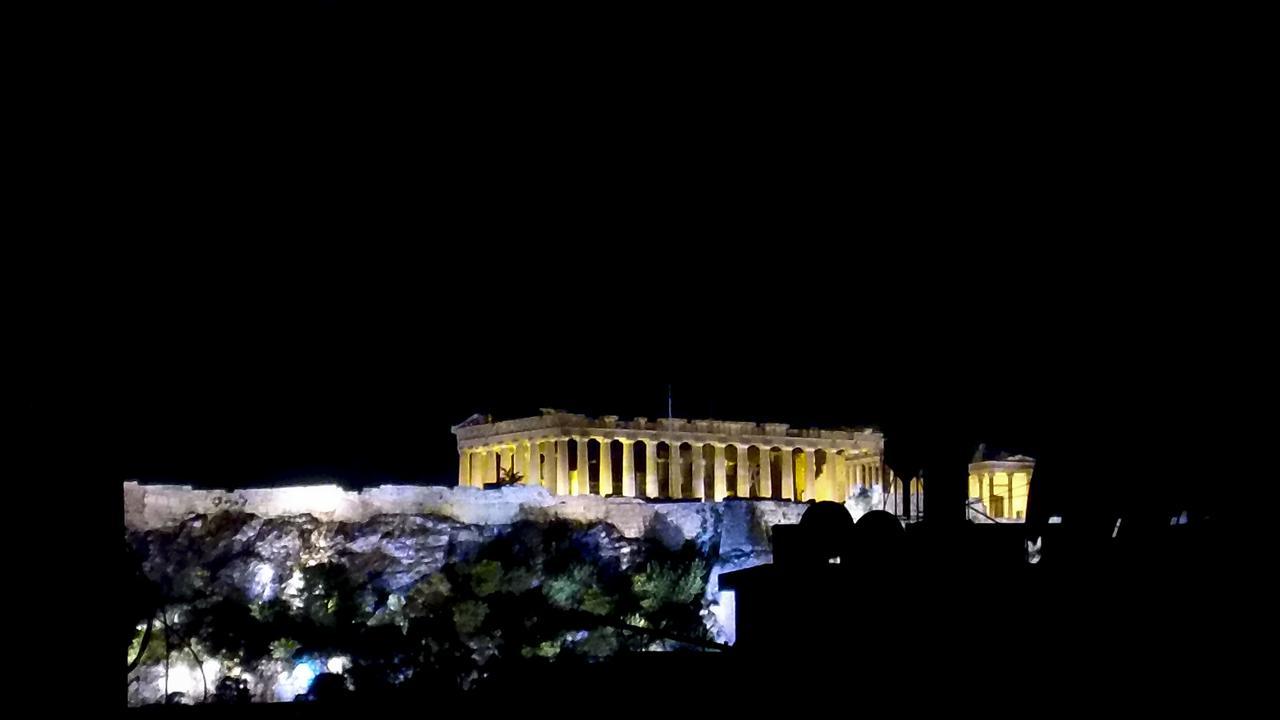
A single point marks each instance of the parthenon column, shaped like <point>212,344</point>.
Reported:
<point>606,467</point>
<point>651,469</point>
<point>562,466</point>
<point>506,460</point>
<point>522,460</point>
<point>464,467</point>
<point>721,481</point>
<point>810,475</point>
<point>675,473</point>
<point>550,465</point>
<point>744,471</point>
<point>841,484</point>
<point>766,473</point>
<point>699,472</point>
<point>628,468</point>
<point>535,463</point>
<point>582,484</point>
<point>788,473</point>
<point>490,466</point>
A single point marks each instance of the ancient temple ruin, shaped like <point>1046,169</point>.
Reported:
<point>998,488</point>
<point>674,459</point>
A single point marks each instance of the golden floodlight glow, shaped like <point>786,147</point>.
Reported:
<point>809,463</point>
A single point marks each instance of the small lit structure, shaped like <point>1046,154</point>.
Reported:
<point>998,488</point>
<point>673,458</point>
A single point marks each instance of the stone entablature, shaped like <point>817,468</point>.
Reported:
<point>807,463</point>
<point>557,425</point>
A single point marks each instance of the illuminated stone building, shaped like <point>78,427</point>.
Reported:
<point>998,488</point>
<point>671,459</point>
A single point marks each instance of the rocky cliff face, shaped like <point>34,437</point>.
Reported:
<point>399,550</point>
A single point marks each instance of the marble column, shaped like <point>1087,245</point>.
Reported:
<point>810,475</point>
<point>744,471</point>
<point>905,491</point>
<point>675,473</point>
<point>721,480</point>
<point>699,473</point>
<point>562,466</point>
<point>549,466</point>
<point>788,473</point>
<point>522,461</point>
<point>506,460</point>
<point>582,484</point>
<point>766,473</point>
<point>535,464</point>
<point>841,476</point>
<point>490,466</point>
<point>629,468</point>
<point>606,467</point>
<point>464,467</point>
<point>650,469</point>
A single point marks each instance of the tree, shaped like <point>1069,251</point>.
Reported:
<point>509,476</point>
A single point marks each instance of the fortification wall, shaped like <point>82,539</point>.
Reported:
<point>149,507</point>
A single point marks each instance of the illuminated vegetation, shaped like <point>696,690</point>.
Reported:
<point>534,593</point>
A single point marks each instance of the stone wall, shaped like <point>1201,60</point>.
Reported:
<point>396,535</point>
<point>744,530</point>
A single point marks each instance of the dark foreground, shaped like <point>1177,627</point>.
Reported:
<point>1151,624</point>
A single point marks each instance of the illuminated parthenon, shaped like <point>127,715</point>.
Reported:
<point>671,459</point>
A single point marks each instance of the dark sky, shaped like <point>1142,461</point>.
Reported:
<point>736,253</point>
<point>295,384</point>
<point>277,398</point>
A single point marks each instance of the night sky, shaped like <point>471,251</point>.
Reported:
<point>586,264</point>
<point>292,397</point>
<point>235,404</point>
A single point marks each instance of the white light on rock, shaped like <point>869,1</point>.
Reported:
<point>261,588</point>
<point>295,682</point>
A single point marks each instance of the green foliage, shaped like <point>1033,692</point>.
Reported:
<point>469,615</point>
<point>661,585</point>
<point>284,648</point>
<point>329,597</point>
<point>486,577</point>
<point>155,646</point>
<point>596,602</point>
<point>545,649</point>
<point>601,642</point>
<point>509,476</point>
<point>430,593</point>
<point>518,580</point>
<point>565,590</point>
<point>532,593</point>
